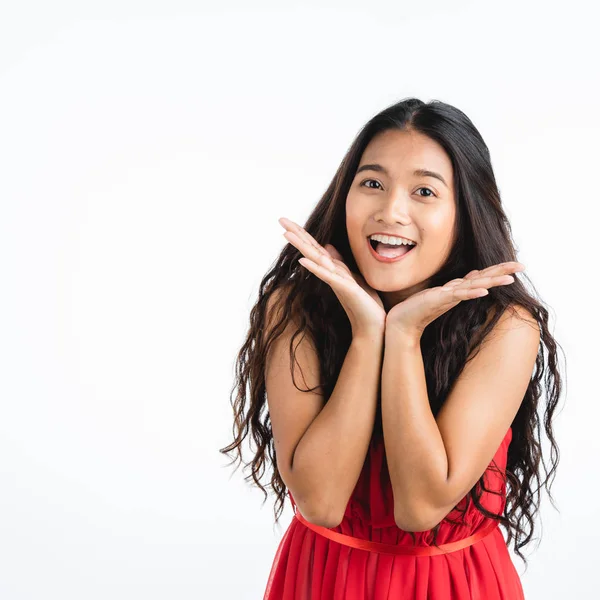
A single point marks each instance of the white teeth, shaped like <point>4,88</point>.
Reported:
<point>388,239</point>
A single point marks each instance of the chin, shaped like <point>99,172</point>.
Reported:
<point>381,283</point>
<point>407,285</point>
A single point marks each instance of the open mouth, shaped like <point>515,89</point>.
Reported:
<point>389,252</point>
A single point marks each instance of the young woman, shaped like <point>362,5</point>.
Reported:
<point>420,349</point>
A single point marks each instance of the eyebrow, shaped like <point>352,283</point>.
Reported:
<point>419,172</point>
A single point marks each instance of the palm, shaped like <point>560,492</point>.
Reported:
<point>418,311</point>
<point>411,305</point>
<point>361,302</point>
<point>357,277</point>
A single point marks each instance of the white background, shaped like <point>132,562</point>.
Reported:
<point>147,150</point>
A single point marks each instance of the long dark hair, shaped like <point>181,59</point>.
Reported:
<point>483,238</point>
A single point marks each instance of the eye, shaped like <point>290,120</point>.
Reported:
<point>425,188</point>
<point>365,181</point>
<point>377,182</point>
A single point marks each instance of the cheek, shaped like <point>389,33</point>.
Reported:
<point>439,228</point>
<point>354,222</point>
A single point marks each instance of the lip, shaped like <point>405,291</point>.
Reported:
<point>392,234</point>
<point>384,259</point>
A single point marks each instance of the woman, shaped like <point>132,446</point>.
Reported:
<point>421,353</point>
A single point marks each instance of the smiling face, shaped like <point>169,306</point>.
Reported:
<point>389,197</point>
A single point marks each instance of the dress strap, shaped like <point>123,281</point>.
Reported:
<point>371,546</point>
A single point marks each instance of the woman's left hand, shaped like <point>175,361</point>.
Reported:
<point>411,316</point>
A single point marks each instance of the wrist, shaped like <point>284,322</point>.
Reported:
<point>406,338</point>
<point>369,336</point>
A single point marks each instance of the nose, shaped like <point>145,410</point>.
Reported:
<point>393,209</point>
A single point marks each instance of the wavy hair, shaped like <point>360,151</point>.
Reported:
<point>483,237</point>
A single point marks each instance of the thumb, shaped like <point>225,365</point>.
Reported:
<point>333,252</point>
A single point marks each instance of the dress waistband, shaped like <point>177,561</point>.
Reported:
<point>372,546</point>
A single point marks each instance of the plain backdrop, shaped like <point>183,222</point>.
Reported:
<point>147,150</point>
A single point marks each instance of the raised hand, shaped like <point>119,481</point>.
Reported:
<point>419,310</point>
<point>361,302</point>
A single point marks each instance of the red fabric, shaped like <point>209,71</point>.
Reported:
<point>310,566</point>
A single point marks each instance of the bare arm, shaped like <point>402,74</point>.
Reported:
<point>434,462</point>
<point>325,443</point>
<point>321,446</point>
<point>332,452</point>
<point>415,450</point>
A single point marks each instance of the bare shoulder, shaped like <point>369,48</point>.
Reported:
<point>276,301</point>
<point>513,317</point>
<point>516,316</point>
<point>275,313</point>
<point>472,430</point>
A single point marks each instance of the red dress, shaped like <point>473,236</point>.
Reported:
<point>315,563</point>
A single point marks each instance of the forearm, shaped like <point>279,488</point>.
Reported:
<point>331,453</point>
<point>415,451</point>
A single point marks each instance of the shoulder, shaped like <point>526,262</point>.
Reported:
<point>276,304</point>
<point>518,317</point>
<point>282,316</point>
<point>516,333</point>
<point>515,325</point>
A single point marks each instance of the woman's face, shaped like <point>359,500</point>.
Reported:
<point>389,197</point>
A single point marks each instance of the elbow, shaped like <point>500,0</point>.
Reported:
<point>413,521</point>
<point>318,514</point>
<point>412,525</point>
<point>408,525</point>
<point>328,523</point>
<point>323,520</point>
<point>402,520</point>
<point>318,506</point>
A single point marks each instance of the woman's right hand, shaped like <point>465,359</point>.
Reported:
<point>361,302</point>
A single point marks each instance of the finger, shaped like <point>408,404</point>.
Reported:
<point>474,288</point>
<point>489,281</point>
<point>331,249</point>
<point>502,268</point>
<point>338,259</point>
<point>454,282</point>
<point>308,242</point>
<point>302,234</point>
<point>458,294</point>
<point>499,269</point>
<point>332,264</point>
<point>310,251</point>
<point>330,277</point>
<point>342,269</point>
